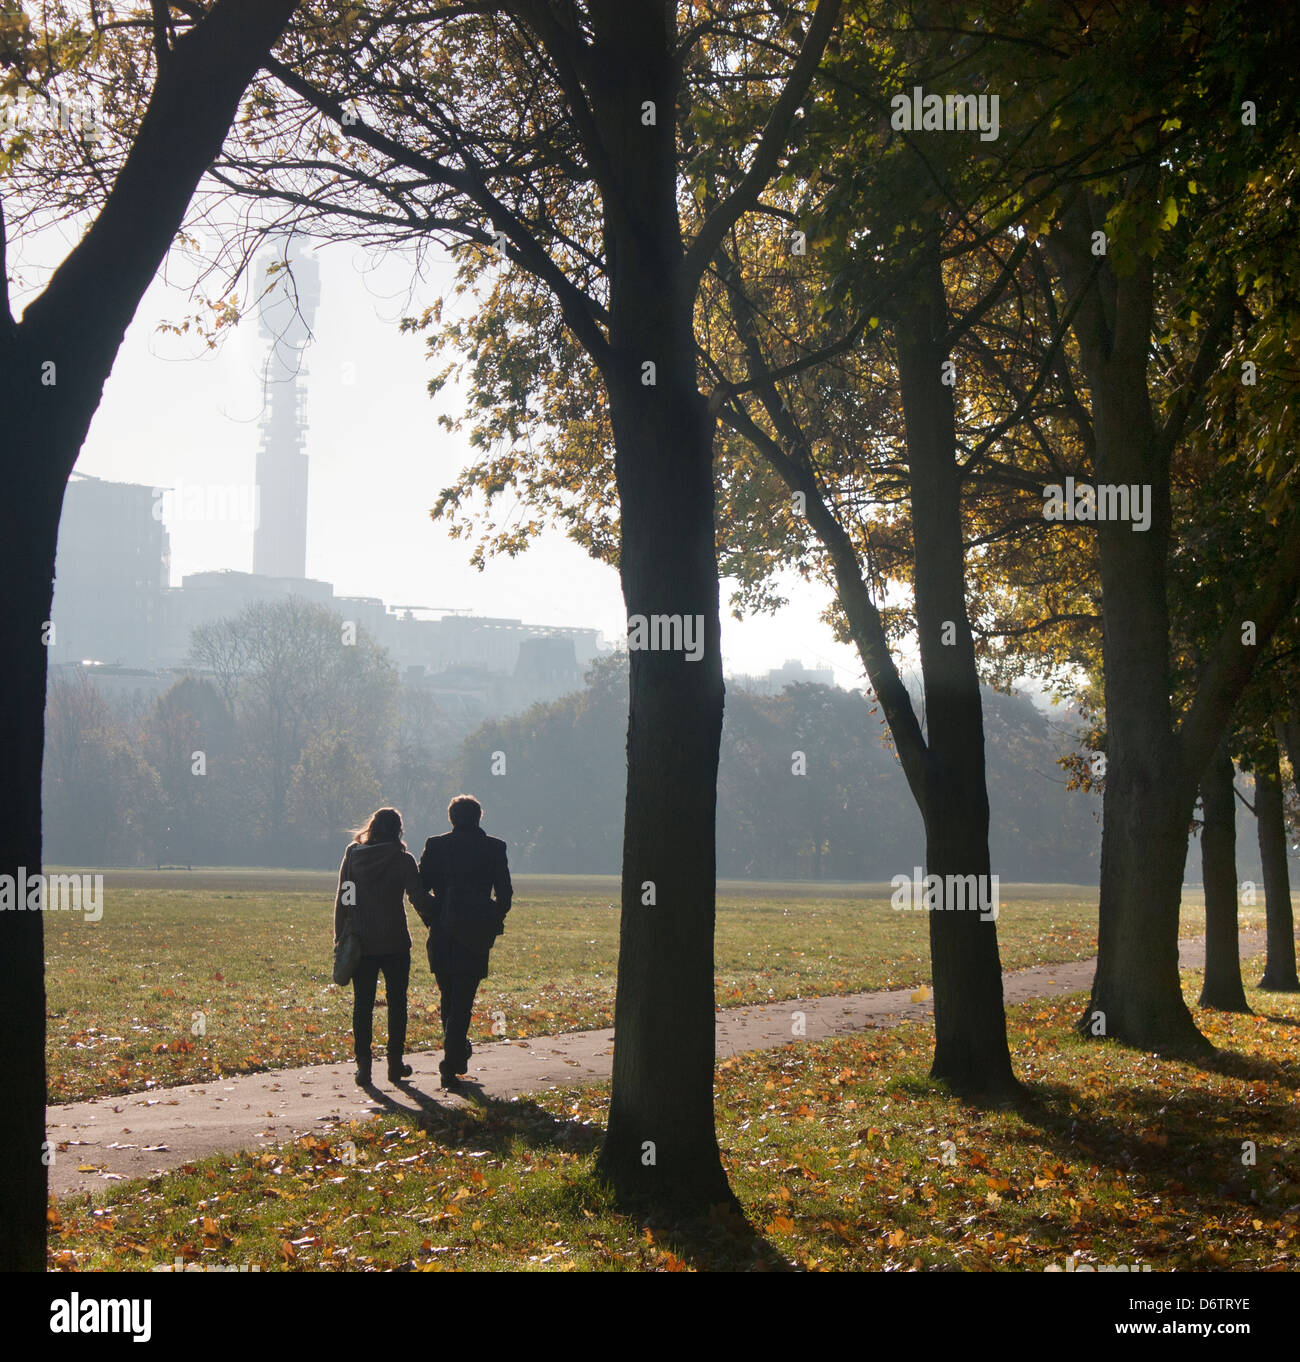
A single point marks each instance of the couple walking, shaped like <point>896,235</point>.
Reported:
<point>461,891</point>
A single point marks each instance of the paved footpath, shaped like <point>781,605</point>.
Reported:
<point>137,1134</point>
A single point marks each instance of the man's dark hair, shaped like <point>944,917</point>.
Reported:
<point>464,811</point>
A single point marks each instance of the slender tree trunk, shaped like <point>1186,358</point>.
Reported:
<point>945,774</point>
<point>1280,965</point>
<point>660,1142</point>
<point>1222,987</point>
<point>970,1051</point>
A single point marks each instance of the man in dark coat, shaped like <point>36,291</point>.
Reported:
<point>468,859</point>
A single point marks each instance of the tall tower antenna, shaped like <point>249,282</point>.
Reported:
<point>287,312</point>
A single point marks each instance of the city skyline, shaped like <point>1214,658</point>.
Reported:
<point>388,547</point>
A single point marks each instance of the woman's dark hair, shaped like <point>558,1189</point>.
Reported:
<point>385,826</point>
<point>464,812</point>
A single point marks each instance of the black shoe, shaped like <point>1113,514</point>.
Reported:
<point>397,1072</point>
<point>450,1083</point>
<point>363,1074</point>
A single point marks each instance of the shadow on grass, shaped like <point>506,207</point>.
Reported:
<point>1234,1064</point>
<point>1192,1144</point>
<point>486,1123</point>
<point>1171,1145</point>
<point>723,1239</point>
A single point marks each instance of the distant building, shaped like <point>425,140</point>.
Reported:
<point>286,315</point>
<point>137,684</point>
<point>203,597</point>
<point>114,605</point>
<point>111,573</point>
<point>775,681</point>
<point>547,667</point>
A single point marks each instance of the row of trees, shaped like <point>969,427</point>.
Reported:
<point>715,272</point>
<point>916,338</point>
<point>285,736</point>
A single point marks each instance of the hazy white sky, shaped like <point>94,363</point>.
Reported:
<point>176,413</point>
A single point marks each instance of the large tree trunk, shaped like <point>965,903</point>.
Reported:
<point>1147,806</point>
<point>1148,801</point>
<point>28,532</point>
<point>1136,993</point>
<point>1279,965</point>
<point>661,1143</point>
<point>1222,987</point>
<point>970,1050</point>
<point>1149,798</point>
<point>53,366</point>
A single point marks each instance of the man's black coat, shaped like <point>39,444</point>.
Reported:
<point>467,858</point>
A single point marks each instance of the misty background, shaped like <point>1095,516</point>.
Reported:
<point>164,749</point>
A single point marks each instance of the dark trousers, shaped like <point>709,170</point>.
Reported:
<point>397,974</point>
<point>457,991</point>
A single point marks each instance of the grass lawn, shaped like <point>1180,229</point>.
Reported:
<point>190,976</point>
<point>842,1153</point>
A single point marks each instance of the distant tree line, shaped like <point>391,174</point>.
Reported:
<point>289,732</point>
<point>285,736</point>
<point>807,787</point>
